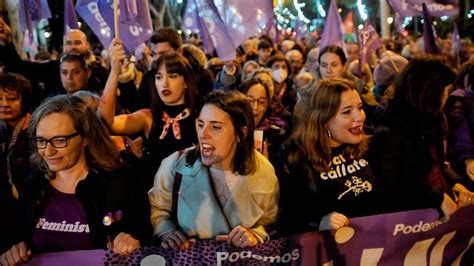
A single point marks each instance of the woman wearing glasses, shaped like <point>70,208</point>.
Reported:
<point>272,127</point>
<point>74,200</point>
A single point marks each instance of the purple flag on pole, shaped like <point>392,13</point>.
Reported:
<point>299,29</point>
<point>134,21</point>
<point>271,29</point>
<point>89,11</point>
<point>39,9</point>
<point>244,18</point>
<point>228,23</point>
<point>70,17</point>
<point>399,23</point>
<point>407,8</point>
<point>195,23</point>
<point>456,41</point>
<point>32,11</point>
<point>332,33</point>
<point>429,33</point>
<point>369,41</point>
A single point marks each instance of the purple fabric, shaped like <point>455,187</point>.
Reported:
<point>195,23</point>
<point>31,11</point>
<point>39,9</point>
<point>89,11</point>
<point>399,23</point>
<point>429,33</point>
<point>70,17</point>
<point>369,41</point>
<point>407,8</point>
<point>456,41</point>
<point>226,24</point>
<point>63,226</point>
<point>404,238</point>
<point>332,33</point>
<point>134,28</point>
<point>271,29</point>
<point>299,29</point>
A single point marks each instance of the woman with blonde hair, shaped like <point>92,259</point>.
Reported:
<point>75,199</point>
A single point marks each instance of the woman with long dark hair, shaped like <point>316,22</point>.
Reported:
<point>168,125</point>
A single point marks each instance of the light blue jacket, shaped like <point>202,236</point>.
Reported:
<point>253,202</point>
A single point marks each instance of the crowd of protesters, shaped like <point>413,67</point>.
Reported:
<point>172,146</point>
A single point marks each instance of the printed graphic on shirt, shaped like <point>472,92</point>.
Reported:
<point>76,227</point>
<point>341,168</point>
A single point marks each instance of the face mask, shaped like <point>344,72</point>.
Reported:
<point>279,75</point>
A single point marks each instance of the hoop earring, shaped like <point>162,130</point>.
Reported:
<point>329,133</point>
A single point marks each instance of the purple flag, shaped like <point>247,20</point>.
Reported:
<point>271,29</point>
<point>244,18</point>
<point>429,33</point>
<point>70,17</point>
<point>32,11</point>
<point>399,23</point>
<point>332,33</point>
<point>196,23</point>
<point>228,23</point>
<point>369,41</point>
<point>89,11</point>
<point>134,21</point>
<point>39,9</point>
<point>408,8</point>
<point>299,29</point>
<point>456,41</point>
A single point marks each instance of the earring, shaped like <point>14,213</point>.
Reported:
<point>329,133</point>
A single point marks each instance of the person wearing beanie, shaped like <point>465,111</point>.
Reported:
<point>385,73</point>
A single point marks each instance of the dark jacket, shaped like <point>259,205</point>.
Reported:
<point>459,111</point>
<point>401,156</point>
<point>99,193</point>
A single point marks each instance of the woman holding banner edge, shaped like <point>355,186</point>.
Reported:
<point>324,178</point>
<point>228,191</point>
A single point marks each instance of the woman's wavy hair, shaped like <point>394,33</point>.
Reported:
<point>311,136</point>
<point>18,84</point>
<point>236,105</point>
<point>177,64</point>
<point>100,151</point>
<point>420,85</point>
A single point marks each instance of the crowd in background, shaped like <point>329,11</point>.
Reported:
<point>170,145</point>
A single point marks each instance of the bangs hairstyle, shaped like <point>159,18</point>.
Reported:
<point>174,63</point>
<point>245,87</point>
<point>420,85</point>
<point>18,84</point>
<point>100,151</point>
<point>236,105</point>
<point>311,136</point>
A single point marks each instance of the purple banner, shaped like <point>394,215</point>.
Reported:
<point>89,12</point>
<point>369,41</point>
<point>437,8</point>
<point>224,25</point>
<point>134,21</point>
<point>404,238</point>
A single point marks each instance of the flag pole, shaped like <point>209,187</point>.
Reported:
<point>116,19</point>
<point>390,58</point>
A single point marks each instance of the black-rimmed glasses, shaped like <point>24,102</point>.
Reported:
<point>56,142</point>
